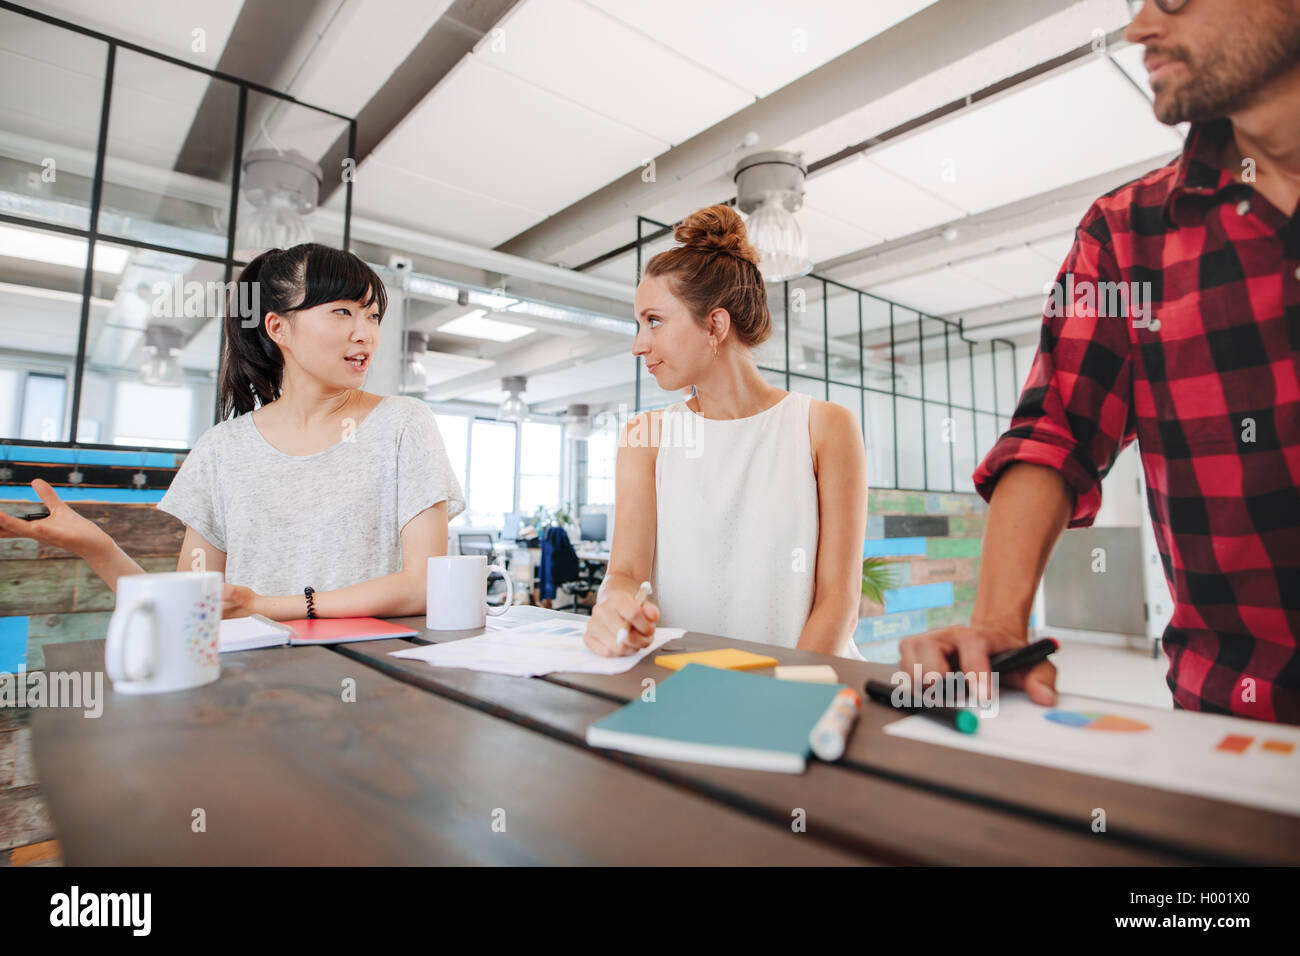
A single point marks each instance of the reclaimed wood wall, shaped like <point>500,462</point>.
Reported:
<point>52,595</point>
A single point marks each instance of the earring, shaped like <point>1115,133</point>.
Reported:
<point>715,346</point>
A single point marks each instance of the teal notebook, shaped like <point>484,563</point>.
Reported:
<point>724,717</point>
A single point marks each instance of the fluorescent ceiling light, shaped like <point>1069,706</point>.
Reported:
<point>431,288</point>
<point>58,250</point>
<point>476,326</point>
<point>491,299</point>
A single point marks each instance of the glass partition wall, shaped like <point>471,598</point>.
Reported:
<point>930,401</point>
<point>120,211</point>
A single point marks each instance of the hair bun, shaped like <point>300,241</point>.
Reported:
<point>716,229</point>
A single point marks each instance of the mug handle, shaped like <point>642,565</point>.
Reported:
<point>510,591</point>
<point>115,646</point>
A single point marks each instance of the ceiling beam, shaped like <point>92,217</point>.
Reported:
<point>453,35</point>
<point>269,40</point>
<point>919,46</point>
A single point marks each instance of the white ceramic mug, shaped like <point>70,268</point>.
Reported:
<point>457,592</point>
<point>163,633</point>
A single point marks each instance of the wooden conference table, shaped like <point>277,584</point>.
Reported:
<point>438,766</point>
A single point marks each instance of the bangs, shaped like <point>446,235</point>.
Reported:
<point>334,275</point>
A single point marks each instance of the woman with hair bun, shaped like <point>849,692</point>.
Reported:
<point>313,496</point>
<point>754,528</point>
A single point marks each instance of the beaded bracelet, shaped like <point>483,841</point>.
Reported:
<point>311,606</point>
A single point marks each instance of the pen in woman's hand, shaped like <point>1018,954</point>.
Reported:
<point>643,592</point>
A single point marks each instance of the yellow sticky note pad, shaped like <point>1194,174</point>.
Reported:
<point>730,658</point>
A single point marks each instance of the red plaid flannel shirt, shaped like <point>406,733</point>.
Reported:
<point>1208,383</point>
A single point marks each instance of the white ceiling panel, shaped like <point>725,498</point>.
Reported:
<point>1054,249</point>
<point>1130,60</point>
<point>564,45</point>
<point>939,293</point>
<point>873,199</point>
<point>1018,272</point>
<point>1044,136</point>
<point>59,109</point>
<point>829,236</point>
<point>571,382</point>
<point>761,45</point>
<point>623,269</point>
<point>403,198</point>
<point>165,27</point>
<point>489,132</point>
<point>152,109</point>
<point>1045,39</point>
<point>371,38</point>
<point>598,243</point>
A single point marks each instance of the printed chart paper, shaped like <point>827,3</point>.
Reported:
<point>542,647</point>
<point>1227,758</point>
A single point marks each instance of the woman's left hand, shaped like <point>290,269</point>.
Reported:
<point>238,601</point>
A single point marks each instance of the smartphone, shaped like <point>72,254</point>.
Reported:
<point>35,515</point>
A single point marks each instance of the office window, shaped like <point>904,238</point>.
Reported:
<point>602,455</point>
<point>167,120</point>
<point>985,400</point>
<point>539,465</point>
<point>880,440</point>
<point>907,353</point>
<point>963,449</point>
<point>153,415</point>
<point>491,491</point>
<point>986,433</point>
<point>455,438</point>
<point>816,387</point>
<point>157,189</point>
<point>850,398</point>
<point>911,443</point>
<point>43,400</point>
<point>51,98</point>
<point>8,400</point>
<point>938,447</point>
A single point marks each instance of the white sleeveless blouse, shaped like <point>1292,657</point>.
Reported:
<point>737,525</point>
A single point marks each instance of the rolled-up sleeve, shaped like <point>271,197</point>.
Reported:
<point>193,495</point>
<point>1075,413</point>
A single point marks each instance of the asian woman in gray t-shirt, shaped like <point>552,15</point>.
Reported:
<point>309,481</point>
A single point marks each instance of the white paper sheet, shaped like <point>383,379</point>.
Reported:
<point>541,647</point>
<point>520,614</point>
<point>1172,750</point>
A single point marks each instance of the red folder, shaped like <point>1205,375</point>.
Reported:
<point>340,630</point>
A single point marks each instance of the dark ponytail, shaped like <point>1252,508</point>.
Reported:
<point>283,281</point>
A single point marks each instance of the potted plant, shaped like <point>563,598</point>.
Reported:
<point>877,578</point>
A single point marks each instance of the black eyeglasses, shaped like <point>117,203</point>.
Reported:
<point>1165,6</point>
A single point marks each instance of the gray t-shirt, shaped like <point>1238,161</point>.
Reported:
<point>327,520</point>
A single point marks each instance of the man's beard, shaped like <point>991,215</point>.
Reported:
<point>1232,74</point>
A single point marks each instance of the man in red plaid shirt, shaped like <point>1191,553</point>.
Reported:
<point>1205,375</point>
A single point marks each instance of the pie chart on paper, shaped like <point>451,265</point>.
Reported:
<point>1095,720</point>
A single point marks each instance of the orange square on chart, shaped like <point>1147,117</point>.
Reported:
<point>1234,743</point>
<point>1277,746</point>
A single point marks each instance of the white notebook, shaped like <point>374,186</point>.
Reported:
<point>246,633</point>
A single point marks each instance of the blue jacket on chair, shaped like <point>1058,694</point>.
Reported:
<point>559,561</point>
